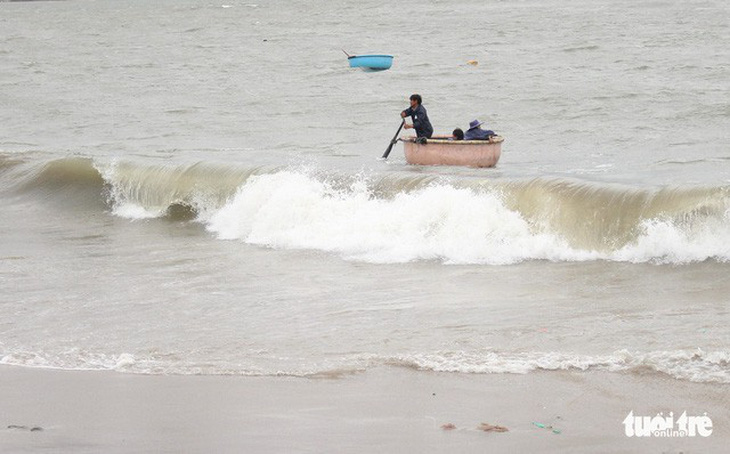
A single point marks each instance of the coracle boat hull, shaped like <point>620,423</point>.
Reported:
<point>444,152</point>
<point>371,62</point>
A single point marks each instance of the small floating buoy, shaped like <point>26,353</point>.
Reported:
<point>472,62</point>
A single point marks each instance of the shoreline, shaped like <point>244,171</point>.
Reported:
<point>384,409</point>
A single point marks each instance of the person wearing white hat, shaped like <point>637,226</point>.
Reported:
<point>475,132</point>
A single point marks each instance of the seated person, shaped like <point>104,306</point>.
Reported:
<point>457,134</point>
<point>476,133</point>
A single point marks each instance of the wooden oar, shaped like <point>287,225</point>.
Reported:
<point>395,139</point>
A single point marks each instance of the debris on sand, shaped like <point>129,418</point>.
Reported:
<point>492,428</point>
<point>549,427</point>
<point>31,429</point>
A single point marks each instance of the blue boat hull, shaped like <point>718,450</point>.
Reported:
<point>371,62</point>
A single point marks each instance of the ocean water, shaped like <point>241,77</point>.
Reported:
<point>194,187</point>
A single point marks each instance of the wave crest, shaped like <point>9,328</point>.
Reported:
<point>401,217</point>
<point>492,224</point>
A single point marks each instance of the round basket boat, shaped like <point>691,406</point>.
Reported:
<point>446,152</point>
<point>371,62</point>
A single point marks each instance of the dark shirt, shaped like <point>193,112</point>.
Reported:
<point>478,134</point>
<point>420,121</point>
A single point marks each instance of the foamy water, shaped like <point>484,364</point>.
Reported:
<point>442,220</point>
<point>196,188</point>
<point>696,366</point>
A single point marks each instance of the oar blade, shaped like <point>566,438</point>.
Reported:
<point>395,139</point>
<point>387,151</point>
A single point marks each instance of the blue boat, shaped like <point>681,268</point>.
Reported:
<point>371,62</point>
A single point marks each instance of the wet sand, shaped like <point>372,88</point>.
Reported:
<point>383,410</point>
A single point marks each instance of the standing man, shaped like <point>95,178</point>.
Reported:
<point>420,118</point>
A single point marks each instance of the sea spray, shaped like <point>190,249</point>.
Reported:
<point>400,217</point>
<point>454,224</point>
<point>436,222</point>
<point>141,192</point>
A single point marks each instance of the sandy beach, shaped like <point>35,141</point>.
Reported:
<point>383,410</point>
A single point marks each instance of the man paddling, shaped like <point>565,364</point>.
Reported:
<point>419,116</point>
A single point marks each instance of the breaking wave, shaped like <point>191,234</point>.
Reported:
<point>399,217</point>
<point>478,224</point>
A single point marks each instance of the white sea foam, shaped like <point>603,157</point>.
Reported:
<point>664,241</point>
<point>292,210</point>
<point>691,365</point>
<point>73,359</point>
<point>133,211</point>
<point>438,222</point>
<point>125,360</point>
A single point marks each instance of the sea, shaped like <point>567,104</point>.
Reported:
<point>196,187</point>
